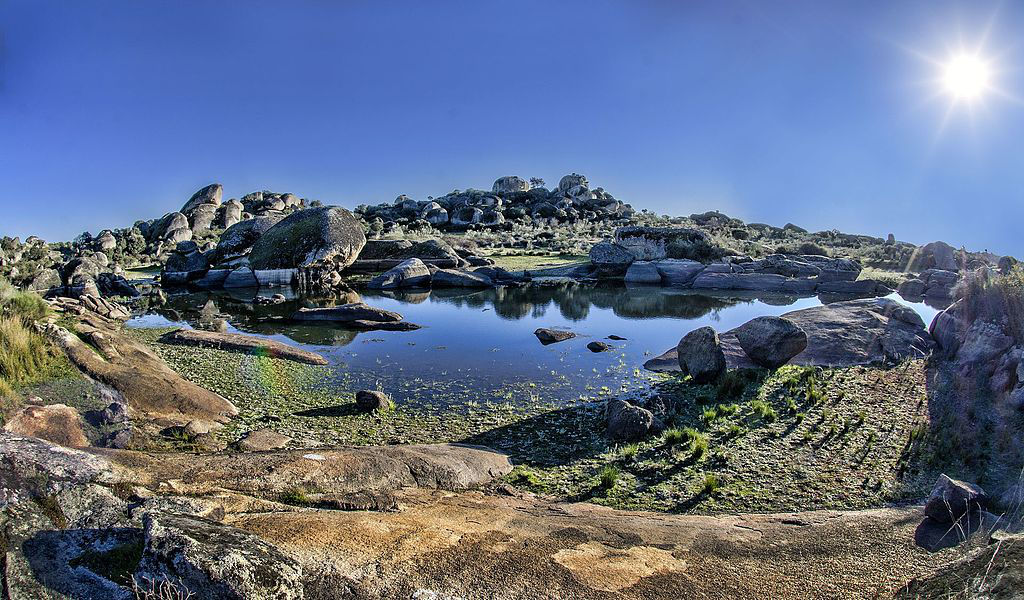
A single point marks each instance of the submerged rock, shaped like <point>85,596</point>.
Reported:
<point>551,336</point>
<point>356,311</point>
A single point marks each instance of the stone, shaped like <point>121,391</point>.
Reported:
<point>202,217</point>
<point>611,258</point>
<point>261,440</point>
<point>936,255</point>
<point>372,401</point>
<point>700,355</point>
<point>240,342</point>
<point>467,215</point>
<point>231,213</point>
<point>406,274</point>
<point>115,413</point>
<point>510,184</point>
<point>239,238</point>
<point>45,280</point>
<point>572,180</point>
<point>210,194</point>
<point>951,499</point>
<point>242,277</point>
<point>454,278</point>
<point>627,422</point>
<point>213,560</point>
<point>57,423</point>
<point>597,346</point>
<point>551,336</point>
<point>655,243</point>
<point>643,272</point>
<point>771,341</point>
<point>678,272</point>
<point>912,288</point>
<point>356,311</point>
<point>326,235</point>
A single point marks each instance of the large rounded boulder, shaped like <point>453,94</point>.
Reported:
<point>701,356</point>
<point>311,237</point>
<point>210,194</point>
<point>236,241</point>
<point>771,341</point>
<point>510,184</point>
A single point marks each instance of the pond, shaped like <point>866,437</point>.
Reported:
<point>478,346</point>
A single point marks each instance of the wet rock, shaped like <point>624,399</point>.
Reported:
<point>213,560</point>
<point>951,499</point>
<point>243,343</point>
<point>372,401</point>
<point>326,235</point>
<point>356,311</point>
<point>57,423</point>
<point>597,346</point>
<point>551,336</point>
<point>700,355</point>
<point>643,272</point>
<point>261,440</point>
<point>771,341</point>
<point>678,272</point>
<point>450,278</point>
<point>407,274</point>
<point>242,277</point>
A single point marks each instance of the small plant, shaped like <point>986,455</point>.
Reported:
<point>800,417</point>
<point>608,476</point>
<point>711,483</point>
<point>296,496</point>
<point>709,415</point>
<point>698,443</point>
<point>164,590</point>
<point>524,476</point>
<point>629,451</point>
<point>673,437</point>
<point>734,431</point>
<point>764,410</point>
<point>728,410</point>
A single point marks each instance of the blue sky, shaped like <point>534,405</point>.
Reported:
<point>824,114</point>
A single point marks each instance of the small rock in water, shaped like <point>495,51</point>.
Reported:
<point>701,355</point>
<point>599,347</point>
<point>372,401</point>
<point>550,336</point>
<point>617,338</point>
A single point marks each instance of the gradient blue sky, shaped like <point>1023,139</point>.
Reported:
<point>824,114</point>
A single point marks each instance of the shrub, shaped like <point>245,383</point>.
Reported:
<point>764,410</point>
<point>711,483</point>
<point>608,476</point>
<point>698,442</point>
<point>673,437</point>
<point>629,451</point>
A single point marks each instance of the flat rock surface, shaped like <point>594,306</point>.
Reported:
<point>841,334</point>
<point>244,343</point>
<point>443,466</point>
<point>471,545</point>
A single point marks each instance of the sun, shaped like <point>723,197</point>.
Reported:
<point>966,76</point>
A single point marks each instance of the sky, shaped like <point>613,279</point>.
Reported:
<point>824,114</point>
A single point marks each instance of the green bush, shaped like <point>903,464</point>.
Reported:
<point>608,476</point>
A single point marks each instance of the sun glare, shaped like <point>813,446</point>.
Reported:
<point>966,77</point>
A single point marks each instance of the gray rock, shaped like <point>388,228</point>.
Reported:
<point>700,355</point>
<point>597,346</point>
<point>551,336</point>
<point>643,272</point>
<point>356,311</point>
<point>241,277</point>
<point>611,258</point>
<point>372,401</point>
<point>678,272</point>
<point>115,413</point>
<point>202,217</point>
<point>627,422</point>
<point>326,235</point>
<point>213,560</point>
<point>231,213</point>
<point>510,184</point>
<point>210,194</point>
<point>951,499</point>
<point>936,255</point>
<point>467,215</point>
<point>912,288</point>
<point>453,278</point>
<point>45,280</point>
<point>771,341</point>
<point>407,274</point>
<point>572,180</point>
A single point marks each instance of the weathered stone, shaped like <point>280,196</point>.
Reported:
<point>243,343</point>
<point>260,440</point>
<point>678,272</point>
<point>453,278</point>
<point>242,277</point>
<point>210,194</point>
<point>597,346</point>
<point>951,499</point>
<point>771,341</point>
<point>627,422</point>
<point>610,258</point>
<point>239,238</point>
<point>409,273</point>
<point>700,355</point>
<point>308,238</point>
<point>57,423</point>
<point>643,272</point>
<point>551,336</point>
<point>347,312</point>
<point>372,401</point>
<point>213,560</point>
<point>510,184</point>
<point>655,243</point>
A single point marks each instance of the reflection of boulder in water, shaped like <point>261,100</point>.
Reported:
<point>407,296</point>
<point>639,304</point>
<point>317,335</point>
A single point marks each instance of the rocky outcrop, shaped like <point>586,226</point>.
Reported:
<point>936,255</point>
<point>239,342</point>
<point>700,355</point>
<point>372,401</point>
<point>654,243</point>
<point>452,278</point>
<point>610,259</point>
<point>840,334</point>
<point>931,283</point>
<point>216,560</point>
<point>261,440</point>
<point>238,239</point>
<point>314,237</point>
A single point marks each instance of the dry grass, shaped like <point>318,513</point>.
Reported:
<point>24,354</point>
